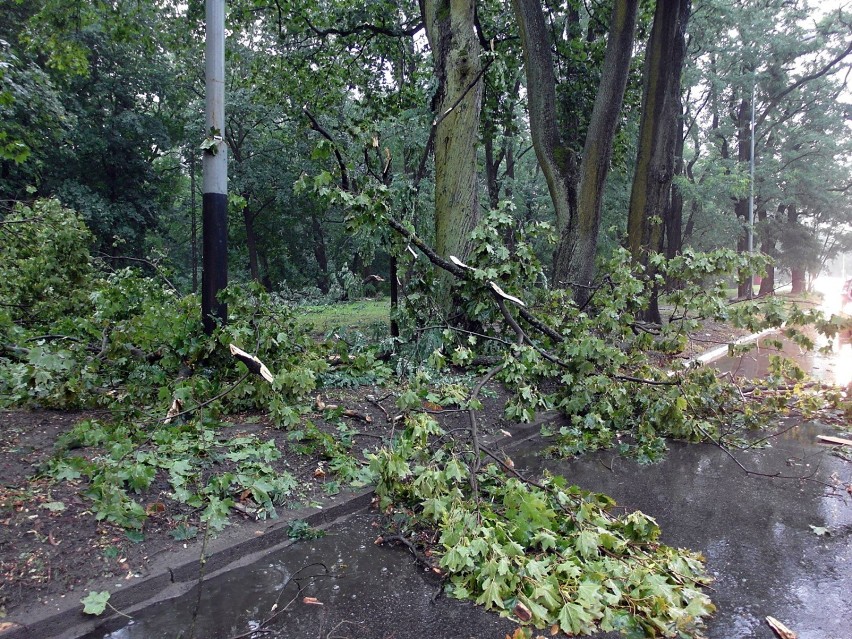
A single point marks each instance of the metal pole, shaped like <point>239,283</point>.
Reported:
<point>193,222</point>
<point>214,208</point>
<point>751,194</point>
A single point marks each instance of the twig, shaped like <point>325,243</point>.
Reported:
<point>756,473</point>
<point>275,609</point>
<point>418,556</point>
<point>153,265</point>
<point>526,480</point>
<point>212,399</point>
<point>376,402</point>
<point>202,569</point>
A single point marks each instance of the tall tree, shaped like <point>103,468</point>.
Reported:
<point>575,255</point>
<point>456,105</point>
<point>577,209</point>
<point>659,133</point>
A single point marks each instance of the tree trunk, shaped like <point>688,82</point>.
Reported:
<point>394,296</point>
<point>574,261</point>
<point>251,244</point>
<point>266,278</point>
<point>455,49</point>
<point>673,218</point>
<point>797,274</point>
<point>320,255</point>
<point>768,247</point>
<point>557,160</point>
<point>193,240</point>
<point>744,288</point>
<point>492,167</point>
<point>658,131</point>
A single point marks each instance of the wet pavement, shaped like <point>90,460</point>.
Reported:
<point>366,591</point>
<point>755,532</point>
<point>759,535</point>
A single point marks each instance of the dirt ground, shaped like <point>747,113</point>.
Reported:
<point>51,543</point>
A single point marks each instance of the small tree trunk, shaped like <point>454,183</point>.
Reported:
<point>320,255</point>
<point>394,296</point>
<point>194,223</point>
<point>767,247</point>
<point>251,244</point>
<point>798,275</point>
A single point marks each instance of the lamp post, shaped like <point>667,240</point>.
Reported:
<point>214,208</point>
<point>751,195</point>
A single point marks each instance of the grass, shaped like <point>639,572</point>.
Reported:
<point>359,314</point>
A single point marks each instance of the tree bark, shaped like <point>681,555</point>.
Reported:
<point>768,246</point>
<point>744,289</point>
<point>320,254</point>
<point>658,131</point>
<point>457,103</point>
<point>558,162</point>
<point>251,243</point>
<point>798,275</point>
<point>574,261</point>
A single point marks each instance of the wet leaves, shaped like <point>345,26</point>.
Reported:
<point>95,602</point>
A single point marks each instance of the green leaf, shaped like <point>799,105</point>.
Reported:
<point>95,602</point>
<point>491,596</point>
<point>184,532</point>
<point>136,536</point>
<point>574,620</point>
<point>587,543</point>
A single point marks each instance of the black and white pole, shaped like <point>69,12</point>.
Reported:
<point>214,212</point>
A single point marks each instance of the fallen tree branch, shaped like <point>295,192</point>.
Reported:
<point>755,473</point>
<point>252,363</point>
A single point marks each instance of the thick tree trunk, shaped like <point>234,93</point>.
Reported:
<point>574,262</point>
<point>657,134</point>
<point>673,218</point>
<point>557,160</point>
<point>455,49</point>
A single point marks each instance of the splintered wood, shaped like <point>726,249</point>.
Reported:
<point>780,629</point>
<point>252,363</point>
<point>839,441</point>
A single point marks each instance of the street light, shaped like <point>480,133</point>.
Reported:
<point>751,195</point>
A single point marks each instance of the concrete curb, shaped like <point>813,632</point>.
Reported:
<point>175,574</point>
